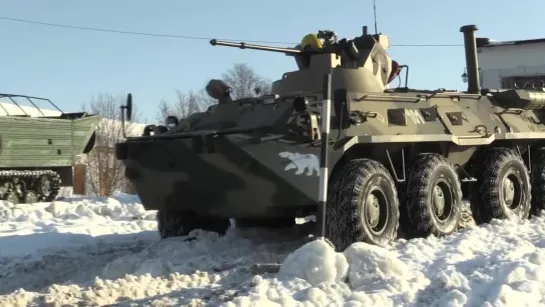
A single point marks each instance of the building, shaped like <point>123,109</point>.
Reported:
<point>511,64</point>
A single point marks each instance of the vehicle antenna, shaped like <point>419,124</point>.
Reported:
<point>375,14</point>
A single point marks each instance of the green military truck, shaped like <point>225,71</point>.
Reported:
<point>38,147</point>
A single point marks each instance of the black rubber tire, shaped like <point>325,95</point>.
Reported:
<point>30,197</point>
<point>286,222</point>
<point>486,197</point>
<point>180,223</point>
<point>346,212</point>
<point>404,230</point>
<point>429,171</point>
<point>12,197</point>
<point>538,181</point>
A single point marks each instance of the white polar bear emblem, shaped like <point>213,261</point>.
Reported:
<point>302,162</point>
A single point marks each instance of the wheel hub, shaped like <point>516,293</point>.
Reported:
<point>442,200</point>
<point>438,200</point>
<point>376,212</point>
<point>373,210</point>
<point>508,191</point>
<point>511,190</point>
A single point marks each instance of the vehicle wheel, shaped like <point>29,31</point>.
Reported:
<point>43,187</point>
<point>503,187</point>
<point>12,197</point>
<point>171,223</point>
<point>538,182</point>
<point>362,205</point>
<point>30,197</point>
<point>433,197</point>
<point>265,222</point>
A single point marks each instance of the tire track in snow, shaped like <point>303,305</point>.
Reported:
<point>206,270</point>
<point>61,266</point>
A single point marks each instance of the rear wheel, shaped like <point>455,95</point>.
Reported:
<point>362,205</point>
<point>433,197</point>
<point>538,181</point>
<point>175,223</point>
<point>503,187</point>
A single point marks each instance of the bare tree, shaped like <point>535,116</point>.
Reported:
<point>105,174</point>
<point>165,109</point>
<point>244,81</point>
<point>185,105</point>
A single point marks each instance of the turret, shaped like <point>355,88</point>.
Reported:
<point>357,65</point>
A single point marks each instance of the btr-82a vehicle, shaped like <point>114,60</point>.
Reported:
<point>392,156</point>
<point>38,147</point>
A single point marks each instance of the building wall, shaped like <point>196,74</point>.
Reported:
<point>500,63</point>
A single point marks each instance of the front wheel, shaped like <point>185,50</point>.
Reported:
<point>434,196</point>
<point>362,205</point>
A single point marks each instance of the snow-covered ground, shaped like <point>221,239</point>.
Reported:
<point>96,252</point>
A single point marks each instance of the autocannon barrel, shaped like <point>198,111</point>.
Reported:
<point>243,45</point>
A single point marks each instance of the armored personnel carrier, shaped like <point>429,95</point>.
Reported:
<point>385,156</point>
<point>38,147</point>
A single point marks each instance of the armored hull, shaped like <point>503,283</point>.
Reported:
<point>240,175</point>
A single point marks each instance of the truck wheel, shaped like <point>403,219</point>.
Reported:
<point>538,182</point>
<point>284,222</point>
<point>503,187</point>
<point>362,205</point>
<point>433,197</point>
<point>171,223</point>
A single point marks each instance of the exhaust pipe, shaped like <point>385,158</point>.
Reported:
<point>472,63</point>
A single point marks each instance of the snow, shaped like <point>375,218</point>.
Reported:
<point>315,262</point>
<point>131,128</point>
<point>25,108</point>
<point>84,251</point>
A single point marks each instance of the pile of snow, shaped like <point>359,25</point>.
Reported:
<point>501,264</point>
<point>26,228</point>
<point>315,262</point>
<point>106,251</point>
